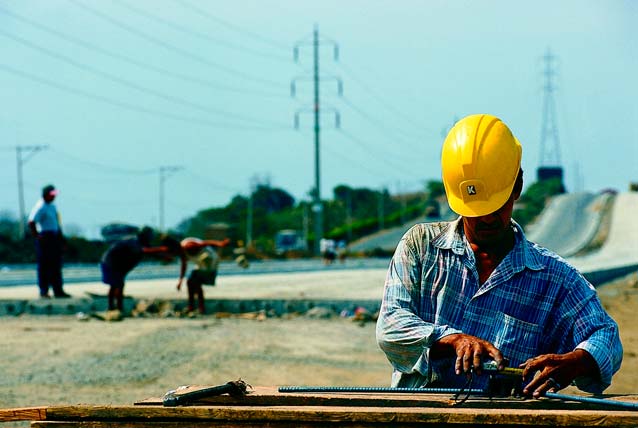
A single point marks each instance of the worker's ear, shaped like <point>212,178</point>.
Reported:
<point>518,186</point>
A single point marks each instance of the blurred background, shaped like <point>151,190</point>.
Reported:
<point>278,122</point>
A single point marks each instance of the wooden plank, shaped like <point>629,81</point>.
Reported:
<point>340,416</point>
<point>23,414</point>
<point>269,396</point>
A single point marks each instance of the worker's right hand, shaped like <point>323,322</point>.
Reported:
<point>179,285</point>
<point>470,352</point>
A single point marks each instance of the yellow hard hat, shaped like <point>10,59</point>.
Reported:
<point>480,162</point>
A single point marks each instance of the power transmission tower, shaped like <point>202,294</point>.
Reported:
<point>549,160</point>
<point>164,173</point>
<point>317,207</point>
<point>29,151</point>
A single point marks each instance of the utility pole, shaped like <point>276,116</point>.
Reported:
<point>249,213</point>
<point>349,213</point>
<point>317,206</point>
<point>380,208</point>
<point>306,224</point>
<point>164,173</point>
<point>29,151</point>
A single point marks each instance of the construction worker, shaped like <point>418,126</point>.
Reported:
<point>121,258</point>
<point>45,227</point>
<point>475,289</point>
<point>202,253</point>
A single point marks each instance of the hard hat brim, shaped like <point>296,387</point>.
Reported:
<point>479,208</point>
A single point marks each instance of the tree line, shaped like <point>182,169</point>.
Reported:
<point>351,213</point>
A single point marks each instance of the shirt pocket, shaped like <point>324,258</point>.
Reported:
<point>518,340</point>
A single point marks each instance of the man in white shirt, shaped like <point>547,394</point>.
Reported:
<point>44,224</point>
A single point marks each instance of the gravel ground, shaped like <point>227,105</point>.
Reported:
<point>61,360</point>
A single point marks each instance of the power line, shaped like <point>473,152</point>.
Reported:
<point>146,66</point>
<point>123,104</point>
<point>106,167</point>
<point>127,83</point>
<point>191,32</point>
<point>227,24</point>
<point>372,93</point>
<point>362,144</point>
<point>377,123</point>
<point>171,47</point>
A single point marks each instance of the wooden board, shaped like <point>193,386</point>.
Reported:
<point>269,396</point>
<point>266,407</point>
<point>316,416</point>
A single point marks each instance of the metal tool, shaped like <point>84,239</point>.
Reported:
<point>174,397</point>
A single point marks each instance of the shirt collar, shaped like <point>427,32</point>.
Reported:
<point>523,255</point>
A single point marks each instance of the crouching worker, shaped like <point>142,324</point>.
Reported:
<point>120,258</point>
<point>203,254</point>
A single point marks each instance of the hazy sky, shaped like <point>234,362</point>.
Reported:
<point>118,89</point>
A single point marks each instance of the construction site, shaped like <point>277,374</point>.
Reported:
<point>466,270</point>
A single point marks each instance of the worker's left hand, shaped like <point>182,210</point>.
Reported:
<point>551,372</point>
<point>179,285</point>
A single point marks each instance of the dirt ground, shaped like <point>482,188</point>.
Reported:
<point>62,360</point>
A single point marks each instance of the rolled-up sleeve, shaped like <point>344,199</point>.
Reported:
<point>584,324</point>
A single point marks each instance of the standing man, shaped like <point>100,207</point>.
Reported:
<point>44,224</point>
<point>462,292</point>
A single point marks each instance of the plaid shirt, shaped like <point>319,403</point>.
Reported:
<point>533,303</point>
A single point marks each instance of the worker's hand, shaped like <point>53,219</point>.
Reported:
<point>470,352</point>
<point>179,285</point>
<point>551,372</point>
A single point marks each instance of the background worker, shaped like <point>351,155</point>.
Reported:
<point>462,292</point>
<point>203,254</point>
<point>45,227</point>
<point>120,258</point>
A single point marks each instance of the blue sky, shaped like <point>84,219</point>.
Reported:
<point>118,89</point>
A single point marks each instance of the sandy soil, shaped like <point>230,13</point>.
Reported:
<point>61,360</point>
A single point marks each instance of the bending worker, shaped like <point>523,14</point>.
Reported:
<point>206,260</point>
<point>475,289</point>
<point>121,258</point>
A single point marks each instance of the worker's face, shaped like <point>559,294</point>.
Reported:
<point>492,229</point>
<point>489,230</point>
<point>49,197</point>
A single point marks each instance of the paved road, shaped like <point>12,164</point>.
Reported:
<point>569,223</point>
<point>26,274</point>
<point>621,246</point>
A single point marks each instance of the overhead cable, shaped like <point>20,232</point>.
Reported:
<point>372,93</point>
<point>133,85</point>
<point>234,27</point>
<point>141,64</point>
<point>191,32</point>
<point>124,104</point>
<point>376,122</point>
<point>173,48</point>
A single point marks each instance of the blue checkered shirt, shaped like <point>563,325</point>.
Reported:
<point>533,303</point>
